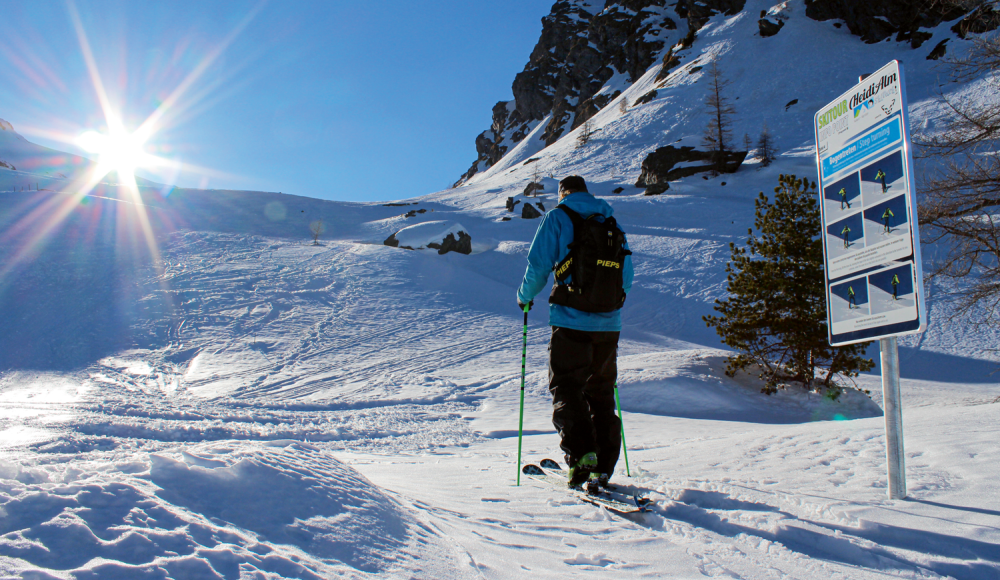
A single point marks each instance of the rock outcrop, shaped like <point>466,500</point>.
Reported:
<point>533,187</point>
<point>463,245</point>
<point>876,20</point>
<point>529,212</point>
<point>659,167</point>
<point>768,28</point>
<point>586,43</point>
<point>582,45</point>
<point>438,235</point>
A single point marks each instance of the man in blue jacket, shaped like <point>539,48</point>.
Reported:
<point>583,350</point>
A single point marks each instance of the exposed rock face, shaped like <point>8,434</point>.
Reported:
<point>939,50</point>
<point>658,167</point>
<point>463,245</point>
<point>582,45</point>
<point>439,235</point>
<point>768,28</point>
<point>670,60</point>
<point>529,212</point>
<point>876,20</point>
<point>980,20</point>
<point>697,12</point>
<point>532,187</point>
<point>509,128</point>
<point>647,98</point>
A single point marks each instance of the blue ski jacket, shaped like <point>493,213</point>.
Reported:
<point>550,246</point>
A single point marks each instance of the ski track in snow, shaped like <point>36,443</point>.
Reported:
<point>249,405</point>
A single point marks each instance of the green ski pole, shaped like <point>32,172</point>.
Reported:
<point>622,421</point>
<point>520,421</point>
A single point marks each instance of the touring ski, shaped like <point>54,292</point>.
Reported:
<point>602,499</point>
<point>633,494</point>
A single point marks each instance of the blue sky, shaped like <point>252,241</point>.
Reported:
<point>335,99</point>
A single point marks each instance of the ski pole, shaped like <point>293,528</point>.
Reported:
<point>622,421</point>
<point>520,421</point>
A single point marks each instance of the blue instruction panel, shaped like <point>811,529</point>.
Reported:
<point>871,245</point>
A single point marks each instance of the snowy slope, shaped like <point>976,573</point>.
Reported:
<point>190,389</point>
<point>28,159</point>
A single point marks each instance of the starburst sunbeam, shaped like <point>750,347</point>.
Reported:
<point>116,149</point>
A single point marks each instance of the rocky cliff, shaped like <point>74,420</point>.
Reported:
<point>585,44</point>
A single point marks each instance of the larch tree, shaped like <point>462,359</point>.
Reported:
<point>718,134</point>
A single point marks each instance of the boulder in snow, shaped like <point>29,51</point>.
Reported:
<point>529,212</point>
<point>532,187</point>
<point>768,28</point>
<point>438,235</point>
<point>671,163</point>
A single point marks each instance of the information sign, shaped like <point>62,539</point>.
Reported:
<point>871,244</point>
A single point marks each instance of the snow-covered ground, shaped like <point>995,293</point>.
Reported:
<point>191,389</point>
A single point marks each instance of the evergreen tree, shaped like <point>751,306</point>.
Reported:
<point>718,134</point>
<point>775,316</point>
<point>766,149</point>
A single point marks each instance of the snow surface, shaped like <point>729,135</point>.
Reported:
<point>240,403</point>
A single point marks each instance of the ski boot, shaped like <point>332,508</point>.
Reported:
<point>579,473</point>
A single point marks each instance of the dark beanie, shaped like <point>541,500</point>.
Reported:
<point>572,184</point>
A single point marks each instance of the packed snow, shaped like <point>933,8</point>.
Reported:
<point>190,388</point>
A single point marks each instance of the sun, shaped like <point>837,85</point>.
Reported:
<point>119,151</point>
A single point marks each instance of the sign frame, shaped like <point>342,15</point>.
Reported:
<point>877,134</point>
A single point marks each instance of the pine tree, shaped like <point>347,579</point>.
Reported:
<point>766,149</point>
<point>775,315</point>
<point>623,105</point>
<point>718,133</point>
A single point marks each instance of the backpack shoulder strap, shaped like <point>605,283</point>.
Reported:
<point>574,217</point>
<point>562,269</point>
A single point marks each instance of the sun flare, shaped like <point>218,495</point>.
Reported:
<point>119,151</point>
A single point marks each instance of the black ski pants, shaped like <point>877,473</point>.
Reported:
<point>583,368</point>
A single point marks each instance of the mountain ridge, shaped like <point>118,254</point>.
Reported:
<point>586,56</point>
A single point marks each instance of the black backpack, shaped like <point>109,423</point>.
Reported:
<point>595,260</point>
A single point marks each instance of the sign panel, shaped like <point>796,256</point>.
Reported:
<point>871,245</point>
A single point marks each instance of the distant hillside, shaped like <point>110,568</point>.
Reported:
<point>31,166</point>
<point>17,153</point>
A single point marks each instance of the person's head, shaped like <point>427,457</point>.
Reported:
<point>571,184</point>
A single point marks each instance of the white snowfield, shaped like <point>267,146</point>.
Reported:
<point>215,397</point>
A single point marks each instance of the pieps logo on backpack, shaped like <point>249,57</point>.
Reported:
<point>561,270</point>
<point>590,278</point>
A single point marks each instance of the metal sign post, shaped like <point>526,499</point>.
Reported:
<point>893,411</point>
<point>871,244</point>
